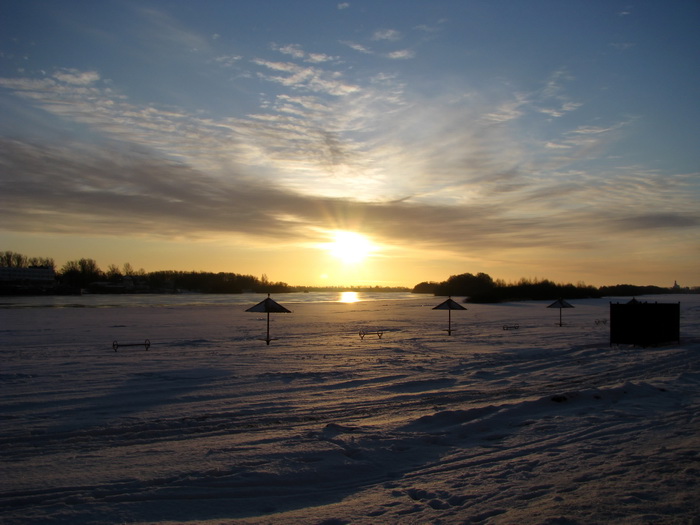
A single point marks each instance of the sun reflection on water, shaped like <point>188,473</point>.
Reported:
<point>348,297</point>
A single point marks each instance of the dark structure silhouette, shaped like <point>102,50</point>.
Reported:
<point>560,303</point>
<point>645,324</point>
<point>449,305</point>
<point>268,306</point>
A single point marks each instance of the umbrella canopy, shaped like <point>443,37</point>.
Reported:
<point>269,306</point>
<point>449,305</point>
<point>560,303</point>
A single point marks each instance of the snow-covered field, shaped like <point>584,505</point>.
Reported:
<point>540,424</point>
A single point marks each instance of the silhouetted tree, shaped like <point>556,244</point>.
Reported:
<point>42,262</point>
<point>627,290</point>
<point>481,288</point>
<point>10,259</point>
<point>203,282</point>
<point>425,287</point>
<point>81,273</point>
<point>113,273</point>
<point>466,284</point>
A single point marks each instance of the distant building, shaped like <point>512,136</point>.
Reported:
<point>34,280</point>
<point>32,275</point>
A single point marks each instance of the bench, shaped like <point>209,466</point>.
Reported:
<point>146,344</point>
<point>364,332</point>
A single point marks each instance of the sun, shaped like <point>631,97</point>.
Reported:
<point>350,247</point>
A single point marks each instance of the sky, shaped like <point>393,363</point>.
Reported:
<point>349,143</point>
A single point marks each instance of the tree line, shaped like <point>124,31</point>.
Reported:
<point>85,274</point>
<point>10,259</point>
<point>482,288</point>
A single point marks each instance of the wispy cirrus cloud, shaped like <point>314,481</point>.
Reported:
<point>163,33</point>
<point>326,147</point>
<point>73,76</point>
<point>552,99</point>
<point>227,60</point>
<point>436,146</point>
<point>508,110</point>
<point>387,34</point>
<point>296,51</point>
<point>290,49</point>
<point>308,77</point>
<point>358,47</point>
<point>402,54</point>
<point>379,37</point>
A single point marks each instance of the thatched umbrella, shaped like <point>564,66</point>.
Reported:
<point>268,306</point>
<point>560,303</point>
<point>449,305</point>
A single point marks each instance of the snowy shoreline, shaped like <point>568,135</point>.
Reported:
<point>539,424</point>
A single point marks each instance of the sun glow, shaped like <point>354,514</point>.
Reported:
<point>350,247</point>
<point>348,297</point>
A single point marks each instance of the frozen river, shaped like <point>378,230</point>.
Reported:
<point>539,424</point>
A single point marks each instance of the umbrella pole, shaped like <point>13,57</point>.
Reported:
<point>449,322</point>
<point>268,329</point>
<point>560,317</point>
